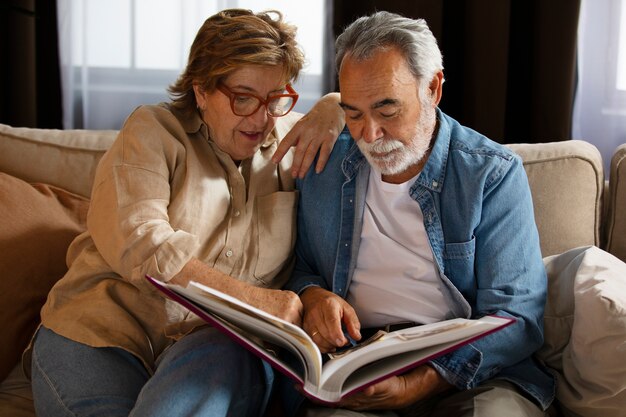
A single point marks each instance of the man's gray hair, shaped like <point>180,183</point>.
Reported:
<point>369,34</point>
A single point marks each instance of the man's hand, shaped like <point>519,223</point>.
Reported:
<point>315,131</point>
<point>324,314</point>
<point>398,391</point>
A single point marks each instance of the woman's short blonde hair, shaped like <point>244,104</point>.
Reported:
<point>231,39</point>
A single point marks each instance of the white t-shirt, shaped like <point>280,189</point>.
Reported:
<point>395,279</point>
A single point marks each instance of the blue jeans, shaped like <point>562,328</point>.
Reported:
<point>203,374</point>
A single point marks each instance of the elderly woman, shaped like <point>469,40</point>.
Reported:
<point>189,190</point>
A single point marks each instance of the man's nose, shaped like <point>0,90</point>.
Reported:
<point>371,130</point>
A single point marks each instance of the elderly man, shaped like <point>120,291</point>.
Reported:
<point>423,220</point>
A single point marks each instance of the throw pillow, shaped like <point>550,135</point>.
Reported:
<point>585,331</point>
<point>37,224</point>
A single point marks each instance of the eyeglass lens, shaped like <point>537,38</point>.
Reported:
<point>247,105</point>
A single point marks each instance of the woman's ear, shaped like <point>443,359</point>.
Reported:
<point>200,99</point>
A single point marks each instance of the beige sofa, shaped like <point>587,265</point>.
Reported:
<point>45,183</point>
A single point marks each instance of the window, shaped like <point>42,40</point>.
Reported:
<point>118,54</point>
<point>600,108</point>
<point>621,50</point>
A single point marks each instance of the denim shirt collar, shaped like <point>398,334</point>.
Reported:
<point>352,161</point>
<point>433,173</point>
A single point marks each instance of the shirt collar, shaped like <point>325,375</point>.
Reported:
<point>354,159</point>
<point>433,173</point>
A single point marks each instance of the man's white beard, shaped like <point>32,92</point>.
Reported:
<point>391,156</point>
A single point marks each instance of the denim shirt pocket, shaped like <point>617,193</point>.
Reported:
<point>276,221</point>
<point>460,251</point>
<point>459,265</point>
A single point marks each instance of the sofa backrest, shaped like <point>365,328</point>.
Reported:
<point>566,179</point>
<point>567,183</point>
<point>64,158</point>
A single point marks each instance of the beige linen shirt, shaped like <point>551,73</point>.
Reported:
<point>162,194</point>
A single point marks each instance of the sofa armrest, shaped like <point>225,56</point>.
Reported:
<point>616,201</point>
<point>567,183</point>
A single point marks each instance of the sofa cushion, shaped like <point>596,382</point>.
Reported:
<point>616,221</point>
<point>16,395</point>
<point>567,182</point>
<point>63,158</point>
<point>585,331</point>
<point>38,222</point>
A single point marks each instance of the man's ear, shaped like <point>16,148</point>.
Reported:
<point>436,88</point>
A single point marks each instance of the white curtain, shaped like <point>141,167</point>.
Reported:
<point>118,54</point>
<point>600,108</point>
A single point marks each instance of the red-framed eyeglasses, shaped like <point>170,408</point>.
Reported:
<point>246,104</point>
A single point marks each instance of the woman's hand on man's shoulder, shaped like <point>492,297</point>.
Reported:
<point>315,132</point>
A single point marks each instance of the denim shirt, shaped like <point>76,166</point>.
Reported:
<point>478,215</point>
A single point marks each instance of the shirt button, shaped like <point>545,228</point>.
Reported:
<point>236,213</point>
<point>229,253</point>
